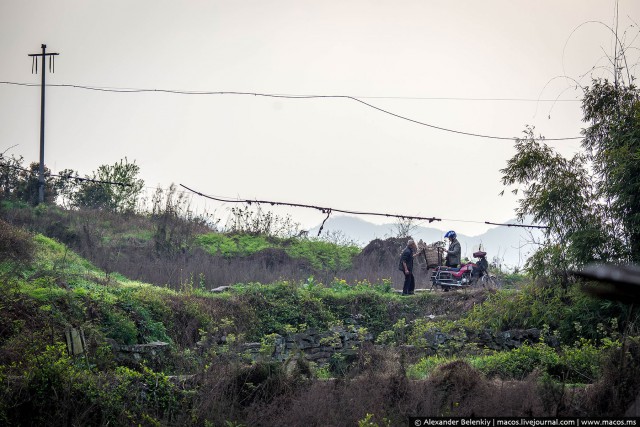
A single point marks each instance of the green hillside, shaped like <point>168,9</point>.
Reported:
<point>208,358</point>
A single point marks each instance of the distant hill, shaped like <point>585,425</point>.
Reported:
<point>507,245</point>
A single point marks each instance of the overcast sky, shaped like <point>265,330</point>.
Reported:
<point>339,153</point>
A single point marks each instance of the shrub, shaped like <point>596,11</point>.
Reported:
<point>175,223</point>
<point>395,336</point>
<point>16,245</point>
<point>136,397</point>
<point>619,384</point>
<point>112,197</point>
<point>49,395</point>
<point>257,221</point>
<point>578,364</point>
<point>517,363</point>
<point>426,366</point>
<point>539,307</point>
<point>582,362</point>
<point>120,328</point>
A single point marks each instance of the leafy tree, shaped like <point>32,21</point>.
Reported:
<point>20,183</point>
<point>9,175</point>
<point>613,146</point>
<point>66,185</point>
<point>118,191</point>
<point>28,188</point>
<point>404,227</point>
<point>557,192</point>
<point>591,202</point>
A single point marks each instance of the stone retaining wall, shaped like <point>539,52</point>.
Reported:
<point>154,354</point>
<point>313,345</point>
<point>499,341</point>
<point>320,347</point>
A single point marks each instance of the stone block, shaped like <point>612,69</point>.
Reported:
<point>319,355</point>
<point>338,329</point>
<point>251,346</point>
<point>436,338</point>
<point>348,336</point>
<point>153,353</point>
<point>304,345</point>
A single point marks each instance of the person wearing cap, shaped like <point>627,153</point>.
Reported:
<point>406,266</point>
<point>454,251</point>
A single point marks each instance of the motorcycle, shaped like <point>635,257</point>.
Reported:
<point>449,278</point>
<point>469,274</point>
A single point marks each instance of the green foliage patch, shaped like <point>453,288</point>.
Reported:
<point>53,255</point>
<point>232,245</point>
<point>320,254</point>
<point>575,364</point>
<point>538,307</point>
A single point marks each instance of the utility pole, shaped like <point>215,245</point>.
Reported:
<point>51,70</point>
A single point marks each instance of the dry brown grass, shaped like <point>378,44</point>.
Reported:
<point>159,249</point>
<point>377,385</point>
<point>619,384</point>
<point>16,245</point>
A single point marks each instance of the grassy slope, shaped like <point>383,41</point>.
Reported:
<point>61,289</point>
<point>136,312</point>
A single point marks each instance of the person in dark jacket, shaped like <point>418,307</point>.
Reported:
<point>483,265</point>
<point>406,266</point>
<point>454,251</point>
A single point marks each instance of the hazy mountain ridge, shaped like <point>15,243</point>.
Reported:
<point>508,244</point>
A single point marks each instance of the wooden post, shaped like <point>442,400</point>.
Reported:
<point>41,167</point>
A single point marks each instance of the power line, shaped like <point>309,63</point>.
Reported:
<point>187,92</point>
<point>516,225</point>
<point>329,211</point>
<point>325,210</point>
<point>69,176</point>
<point>97,181</point>
<point>285,96</point>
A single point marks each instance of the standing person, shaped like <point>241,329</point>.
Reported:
<point>454,251</point>
<point>406,266</point>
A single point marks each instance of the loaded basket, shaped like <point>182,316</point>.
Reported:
<point>432,253</point>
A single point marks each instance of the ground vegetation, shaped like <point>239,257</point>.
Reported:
<point>206,377</point>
